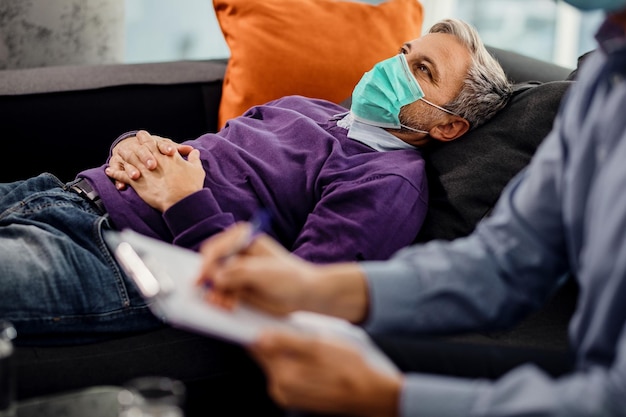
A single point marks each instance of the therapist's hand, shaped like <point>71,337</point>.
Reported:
<point>269,277</point>
<point>264,275</point>
<point>320,374</point>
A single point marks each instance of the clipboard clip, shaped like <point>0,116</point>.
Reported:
<point>148,283</point>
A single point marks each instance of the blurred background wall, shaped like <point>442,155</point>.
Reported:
<point>37,33</point>
<point>65,32</point>
<point>545,29</point>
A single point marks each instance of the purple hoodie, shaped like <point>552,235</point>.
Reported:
<point>332,198</point>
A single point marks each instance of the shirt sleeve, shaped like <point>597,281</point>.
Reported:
<point>524,391</point>
<point>364,220</point>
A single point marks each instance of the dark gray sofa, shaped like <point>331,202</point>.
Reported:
<point>63,119</point>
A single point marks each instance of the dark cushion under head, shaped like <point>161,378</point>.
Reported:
<point>466,176</point>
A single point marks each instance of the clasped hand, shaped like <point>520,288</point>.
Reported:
<point>161,171</point>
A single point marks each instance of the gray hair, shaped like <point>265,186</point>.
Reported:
<point>486,89</point>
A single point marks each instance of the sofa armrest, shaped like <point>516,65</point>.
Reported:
<point>63,119</point>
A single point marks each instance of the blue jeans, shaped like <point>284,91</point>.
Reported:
<point>58,280</point>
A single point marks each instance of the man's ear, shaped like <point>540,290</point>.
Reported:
<point>451,130</point>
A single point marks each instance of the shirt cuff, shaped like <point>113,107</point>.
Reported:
<point>387,287</point>
<point>441,396</point>
<point>196,217</point>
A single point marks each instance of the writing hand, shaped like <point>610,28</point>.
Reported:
<point>263,274</point>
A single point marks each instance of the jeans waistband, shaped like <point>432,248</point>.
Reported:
<point>86,191</point>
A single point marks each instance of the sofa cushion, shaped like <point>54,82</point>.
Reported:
<point>315,48</point>
<point>466,176</point>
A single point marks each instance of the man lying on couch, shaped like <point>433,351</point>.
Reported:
<point>344,186</point>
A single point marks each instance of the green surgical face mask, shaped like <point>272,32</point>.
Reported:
<point>382,91</point>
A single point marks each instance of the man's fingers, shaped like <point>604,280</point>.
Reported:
<point>166,146</point>
<point>184,150</point>
<point>194,157</point>
<point>144,137</point>
<point>169,147</point>
<point>120,185</point>
<point>121,172</point>
<point>149,146</point>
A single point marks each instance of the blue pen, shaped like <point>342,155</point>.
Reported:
<point>259,223</point>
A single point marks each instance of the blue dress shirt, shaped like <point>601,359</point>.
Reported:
<point>564,215</point>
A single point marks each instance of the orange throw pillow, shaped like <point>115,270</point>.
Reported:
<point>314,48</point>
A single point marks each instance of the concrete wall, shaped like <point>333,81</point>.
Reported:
<point>36,33</point>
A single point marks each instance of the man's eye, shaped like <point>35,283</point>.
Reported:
<point>423,68</point>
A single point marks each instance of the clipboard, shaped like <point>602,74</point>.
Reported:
<point>165,275</point>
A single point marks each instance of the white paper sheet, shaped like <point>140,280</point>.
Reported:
<point>166,275</point>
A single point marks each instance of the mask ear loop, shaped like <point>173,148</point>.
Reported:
<point>440,108</point>
<point>414,130</point>
<point>435,106</point>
